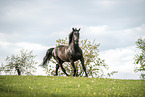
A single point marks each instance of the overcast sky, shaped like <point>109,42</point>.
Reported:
<point>37,24</point>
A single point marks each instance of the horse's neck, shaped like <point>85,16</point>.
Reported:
<point>74,47</point>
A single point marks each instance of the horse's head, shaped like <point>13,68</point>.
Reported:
<point>74,35</point>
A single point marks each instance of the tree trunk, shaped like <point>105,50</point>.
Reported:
<point>18,70</point>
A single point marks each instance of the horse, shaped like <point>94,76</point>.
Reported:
<point>66,53</point>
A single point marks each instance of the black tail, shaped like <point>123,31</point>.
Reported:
<point>47,57</point>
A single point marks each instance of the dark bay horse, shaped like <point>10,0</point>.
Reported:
<point>69,53</point>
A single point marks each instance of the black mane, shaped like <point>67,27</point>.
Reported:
<point>70,37</point>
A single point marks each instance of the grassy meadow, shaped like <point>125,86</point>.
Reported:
<point>49,86</point>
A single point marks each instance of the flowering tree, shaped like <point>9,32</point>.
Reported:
<point>92,62</point>
<point>22,64</point>
<point>140,57</point>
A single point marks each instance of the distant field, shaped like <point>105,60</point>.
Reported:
<point>48,86</point>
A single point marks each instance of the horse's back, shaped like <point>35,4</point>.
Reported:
<point>62,48</point>
<point>60,53</point>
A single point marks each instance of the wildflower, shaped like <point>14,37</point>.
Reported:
<point>30,88</point>
<point>56,89</point>
<point>100,93</point>
<point>78,85</point>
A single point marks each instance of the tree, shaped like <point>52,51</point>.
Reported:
<point>140,57</point>
<point>92,62</point>
<point>22,64</point>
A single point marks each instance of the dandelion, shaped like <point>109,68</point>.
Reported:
<point>30,88</point>
<point>70,82</point>
<point>56,89</point>
<point>94,93</point>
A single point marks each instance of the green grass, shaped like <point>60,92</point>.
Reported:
<point>48,86</point>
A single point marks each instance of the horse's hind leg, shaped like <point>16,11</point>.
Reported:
<point>63,69</point>
<point>56,72</point>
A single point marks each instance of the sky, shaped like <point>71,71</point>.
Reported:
<point>37,24</point>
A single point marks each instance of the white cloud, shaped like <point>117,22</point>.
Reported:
<point>111,38</point>
<point>14,48</point>
<point>26,10</point>
<point>4,44</point>
<point>121,60</point>
<point>105,3</point>
<point>97,30</point>
<point>30,46</point>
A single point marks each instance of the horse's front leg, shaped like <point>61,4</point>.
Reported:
<point>74,68</point>
<point>84,68</point>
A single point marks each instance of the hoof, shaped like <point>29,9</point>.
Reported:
<point>55,74</point>
<point>86,75</point>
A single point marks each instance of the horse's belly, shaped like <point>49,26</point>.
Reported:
<point>64,58</point>
<point>63,53</point>
<point>76,56</point>
<point>68,57</point>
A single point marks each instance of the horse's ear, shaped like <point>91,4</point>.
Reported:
<point>73,29</point>
<point>79,29</point>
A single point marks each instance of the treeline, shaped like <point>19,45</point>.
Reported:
<point>24,63</point>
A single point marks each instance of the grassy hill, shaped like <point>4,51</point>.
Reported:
<point>48,86</point>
